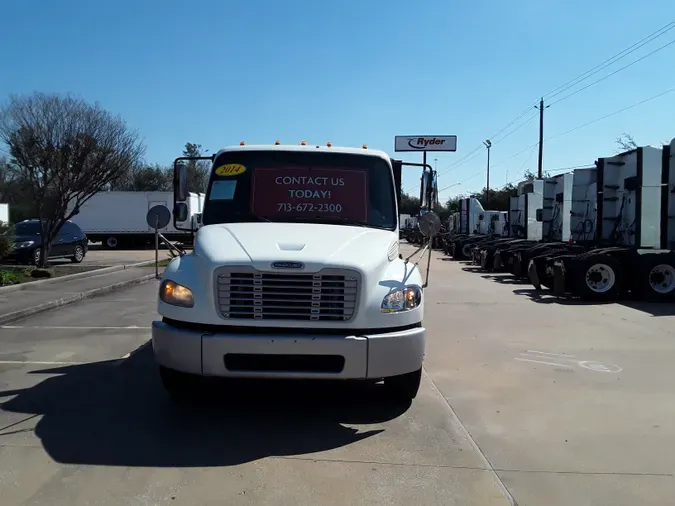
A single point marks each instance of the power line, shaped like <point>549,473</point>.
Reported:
<point>609,61</point>
<point>612,113</point>
<point>569,84</point>
<point>654,97</point>
<point>478,150</point>
<point>466,158</point>
<point>613,73</point>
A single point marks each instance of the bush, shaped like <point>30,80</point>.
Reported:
<point>5,243</point>
<point>8,277</point>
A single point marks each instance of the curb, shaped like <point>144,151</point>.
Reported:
<point>77,275</point>
<point>64,301</point>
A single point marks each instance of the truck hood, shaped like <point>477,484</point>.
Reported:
<point>315,245</point>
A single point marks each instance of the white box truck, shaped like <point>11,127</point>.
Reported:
<point>295,273</point>
<point>118,218</point>
<point>4,214</point>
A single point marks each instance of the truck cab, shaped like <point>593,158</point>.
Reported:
<point>295,273</point>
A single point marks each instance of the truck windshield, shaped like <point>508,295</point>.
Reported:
<point>307,187</point>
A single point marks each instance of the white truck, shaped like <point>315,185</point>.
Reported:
<point>295,273</point>
<point>117,219</point>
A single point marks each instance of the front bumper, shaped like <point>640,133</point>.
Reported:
<point>363,356</point>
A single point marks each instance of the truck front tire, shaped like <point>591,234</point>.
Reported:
<point>403,388</point>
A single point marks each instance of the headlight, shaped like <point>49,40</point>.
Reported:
<point>175,294</point>
<point>24,244</point>
<point>403,299</point>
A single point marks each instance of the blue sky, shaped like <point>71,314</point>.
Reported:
<point>353,72</point>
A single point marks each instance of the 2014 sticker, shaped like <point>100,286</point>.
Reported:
<point>230,169</point>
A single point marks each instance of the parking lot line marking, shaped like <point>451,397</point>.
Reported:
<point>541,362</point>
<point>552,354</point>
<point>32,362</point>
<point>57,327</point>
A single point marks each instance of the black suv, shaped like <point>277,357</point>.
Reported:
<point>70,243</point>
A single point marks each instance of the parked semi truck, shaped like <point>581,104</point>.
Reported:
<point>117,219</point>
<point>295,273</point>
<point>635,233</point>
<point>600,233</point>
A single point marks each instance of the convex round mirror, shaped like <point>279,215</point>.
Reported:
<point>429,224</point>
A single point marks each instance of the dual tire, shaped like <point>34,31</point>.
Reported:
<point>650,276</point>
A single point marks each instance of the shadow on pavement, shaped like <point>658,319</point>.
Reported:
<point>506,279</point>
<point>116,413</point>
<point>548,297</point>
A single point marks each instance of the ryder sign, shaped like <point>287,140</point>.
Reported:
<point>425,143</point>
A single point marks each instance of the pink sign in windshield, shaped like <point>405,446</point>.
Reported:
<point>305,191</point>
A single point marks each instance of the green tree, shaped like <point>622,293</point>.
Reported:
<point>64,150</point>
<point>146,178</point>
<point>409,205</point>
<point>198,171</point>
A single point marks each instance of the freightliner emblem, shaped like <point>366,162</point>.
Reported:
<point>287,265</point>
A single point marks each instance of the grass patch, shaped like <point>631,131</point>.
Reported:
<point>10,275</point>
<point>164,263</point>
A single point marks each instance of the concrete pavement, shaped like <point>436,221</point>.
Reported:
<point>571,403</point>
<point>39,297</point>
<point>561,404</point>
<point>82,425</point>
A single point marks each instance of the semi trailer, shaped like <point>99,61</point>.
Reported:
<point>295,273</point>
<point>117,219</point>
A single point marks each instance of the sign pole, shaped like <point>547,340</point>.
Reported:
<point>157,248</point>
<point>424,161</point>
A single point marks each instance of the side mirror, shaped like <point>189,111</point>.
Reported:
<point>180,211</point>
<point>180,187</point>
<point>429,224</point>
<point>540,215</point>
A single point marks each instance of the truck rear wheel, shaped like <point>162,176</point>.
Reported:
<point>657,277</point>
<point>403,388</point>
<point>602,277</point>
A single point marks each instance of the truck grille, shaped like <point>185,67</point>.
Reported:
<point>245,293</point>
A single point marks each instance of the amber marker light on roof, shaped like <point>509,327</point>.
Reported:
<point>330,144</point>
<point>303,143</point>
<point>365,146</point>
<point>277,143</point>
<point>242,143</point>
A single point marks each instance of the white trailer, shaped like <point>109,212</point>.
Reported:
<point>118,218</point>
<point>4,214</point>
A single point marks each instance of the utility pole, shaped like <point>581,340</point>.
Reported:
<point>540,171</point>
<point>488,145</point>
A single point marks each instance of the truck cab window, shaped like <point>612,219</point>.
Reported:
<point>301,187</point>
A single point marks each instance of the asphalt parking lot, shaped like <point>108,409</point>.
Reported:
<point>542,404</point>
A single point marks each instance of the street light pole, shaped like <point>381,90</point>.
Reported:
<point>488,145</point>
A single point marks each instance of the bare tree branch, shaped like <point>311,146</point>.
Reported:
<point>66,150</point>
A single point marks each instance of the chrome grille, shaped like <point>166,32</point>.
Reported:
<point>245,293</point>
